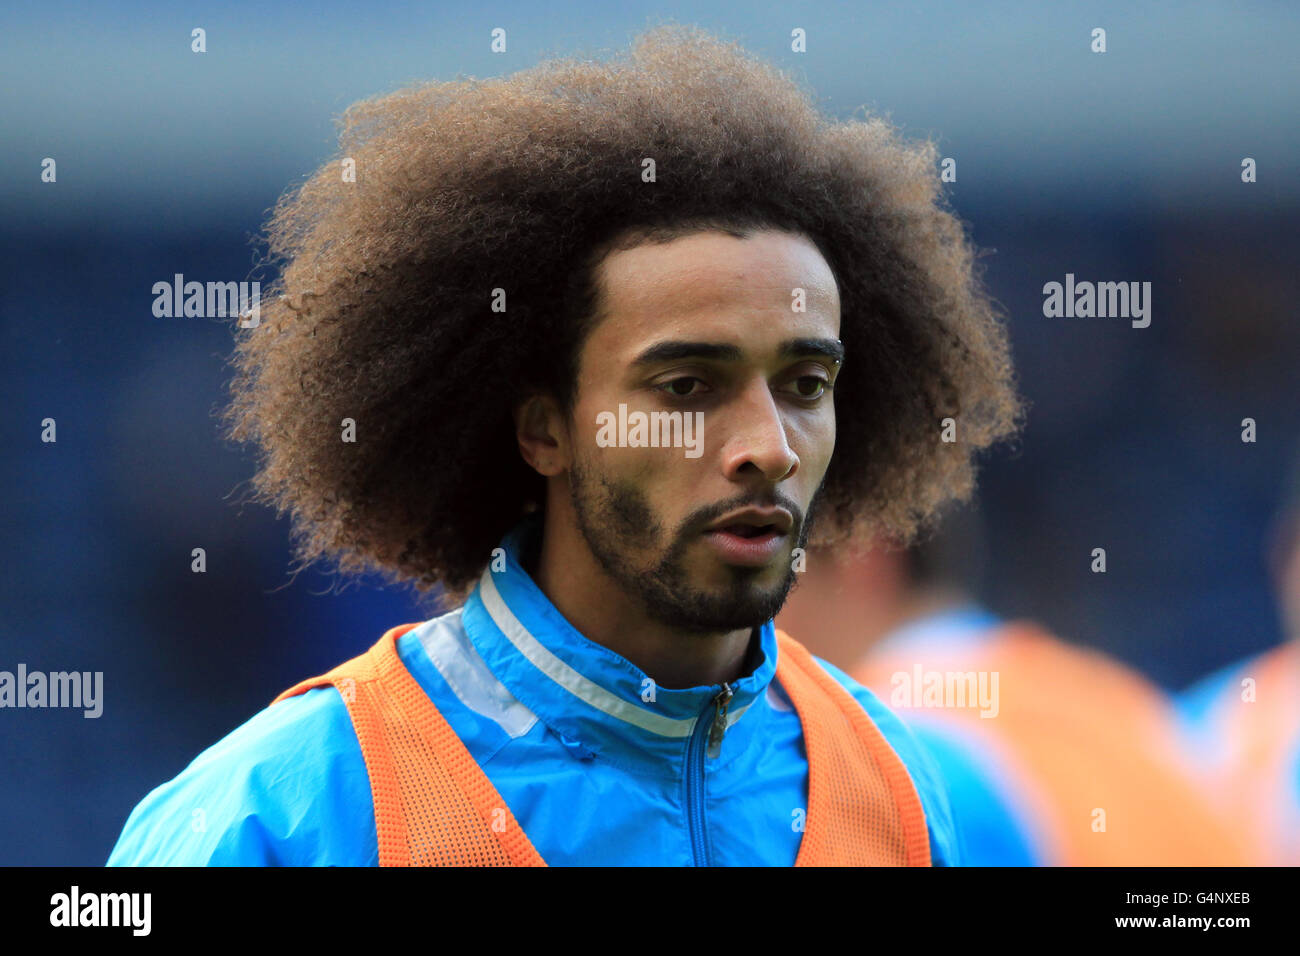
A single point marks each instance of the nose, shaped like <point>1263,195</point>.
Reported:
<point>757,446</point>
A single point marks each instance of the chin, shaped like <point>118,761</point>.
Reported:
<point>721,577</point>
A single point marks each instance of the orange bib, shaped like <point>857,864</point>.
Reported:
<point>1252,778</point>
<point>1092,746</point>
<point>435,807</point>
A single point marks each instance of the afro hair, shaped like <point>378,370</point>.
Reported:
<point>383,309</point>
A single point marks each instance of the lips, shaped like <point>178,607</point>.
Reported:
<point>752,537</point>
<point>750,522</point>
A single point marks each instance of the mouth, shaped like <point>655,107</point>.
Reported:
<point>751,538</point>
<point>747,530</point>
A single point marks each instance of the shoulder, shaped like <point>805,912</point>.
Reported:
<point>287,787</point>
<point>1242,706</point>
<point>920,765</point>
<point>1195,702</point>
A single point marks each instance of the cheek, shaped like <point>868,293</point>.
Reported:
<point>816,444</point>
<point>666,483</point>
<point>632,447</point>
<point>829,440</point>
<point>661,478</point>
<point>665,480</point>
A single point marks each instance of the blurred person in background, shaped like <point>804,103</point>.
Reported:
<point>1054,754</point>
<point>1242,722</point>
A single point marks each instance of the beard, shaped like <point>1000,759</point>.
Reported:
<point>619,526</point>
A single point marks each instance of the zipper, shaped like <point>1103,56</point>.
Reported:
<point>705,740</point>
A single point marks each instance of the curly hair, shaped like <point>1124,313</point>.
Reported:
<point>383,310</point>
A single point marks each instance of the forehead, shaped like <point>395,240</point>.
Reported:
<point>712,285</point>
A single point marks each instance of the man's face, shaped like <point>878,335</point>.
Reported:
<point>703,533</point>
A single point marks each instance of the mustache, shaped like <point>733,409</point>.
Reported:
<point>701,518</point>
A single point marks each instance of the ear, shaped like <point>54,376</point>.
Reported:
<point>543,435</point>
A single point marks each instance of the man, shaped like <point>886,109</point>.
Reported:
<point>569,343</point>
<point>1053,754</point>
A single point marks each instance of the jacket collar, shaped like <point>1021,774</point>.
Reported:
<point>597,701</point>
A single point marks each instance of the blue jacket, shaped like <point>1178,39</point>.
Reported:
<point>595,771</point>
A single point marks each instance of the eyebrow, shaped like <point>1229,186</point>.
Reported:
<point>832,349</point>
<point>675,350</point>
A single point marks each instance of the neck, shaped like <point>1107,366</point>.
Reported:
<point>594,603</point>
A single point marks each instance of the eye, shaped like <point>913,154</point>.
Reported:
<point>683,387</point>
<point>811,386</point>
